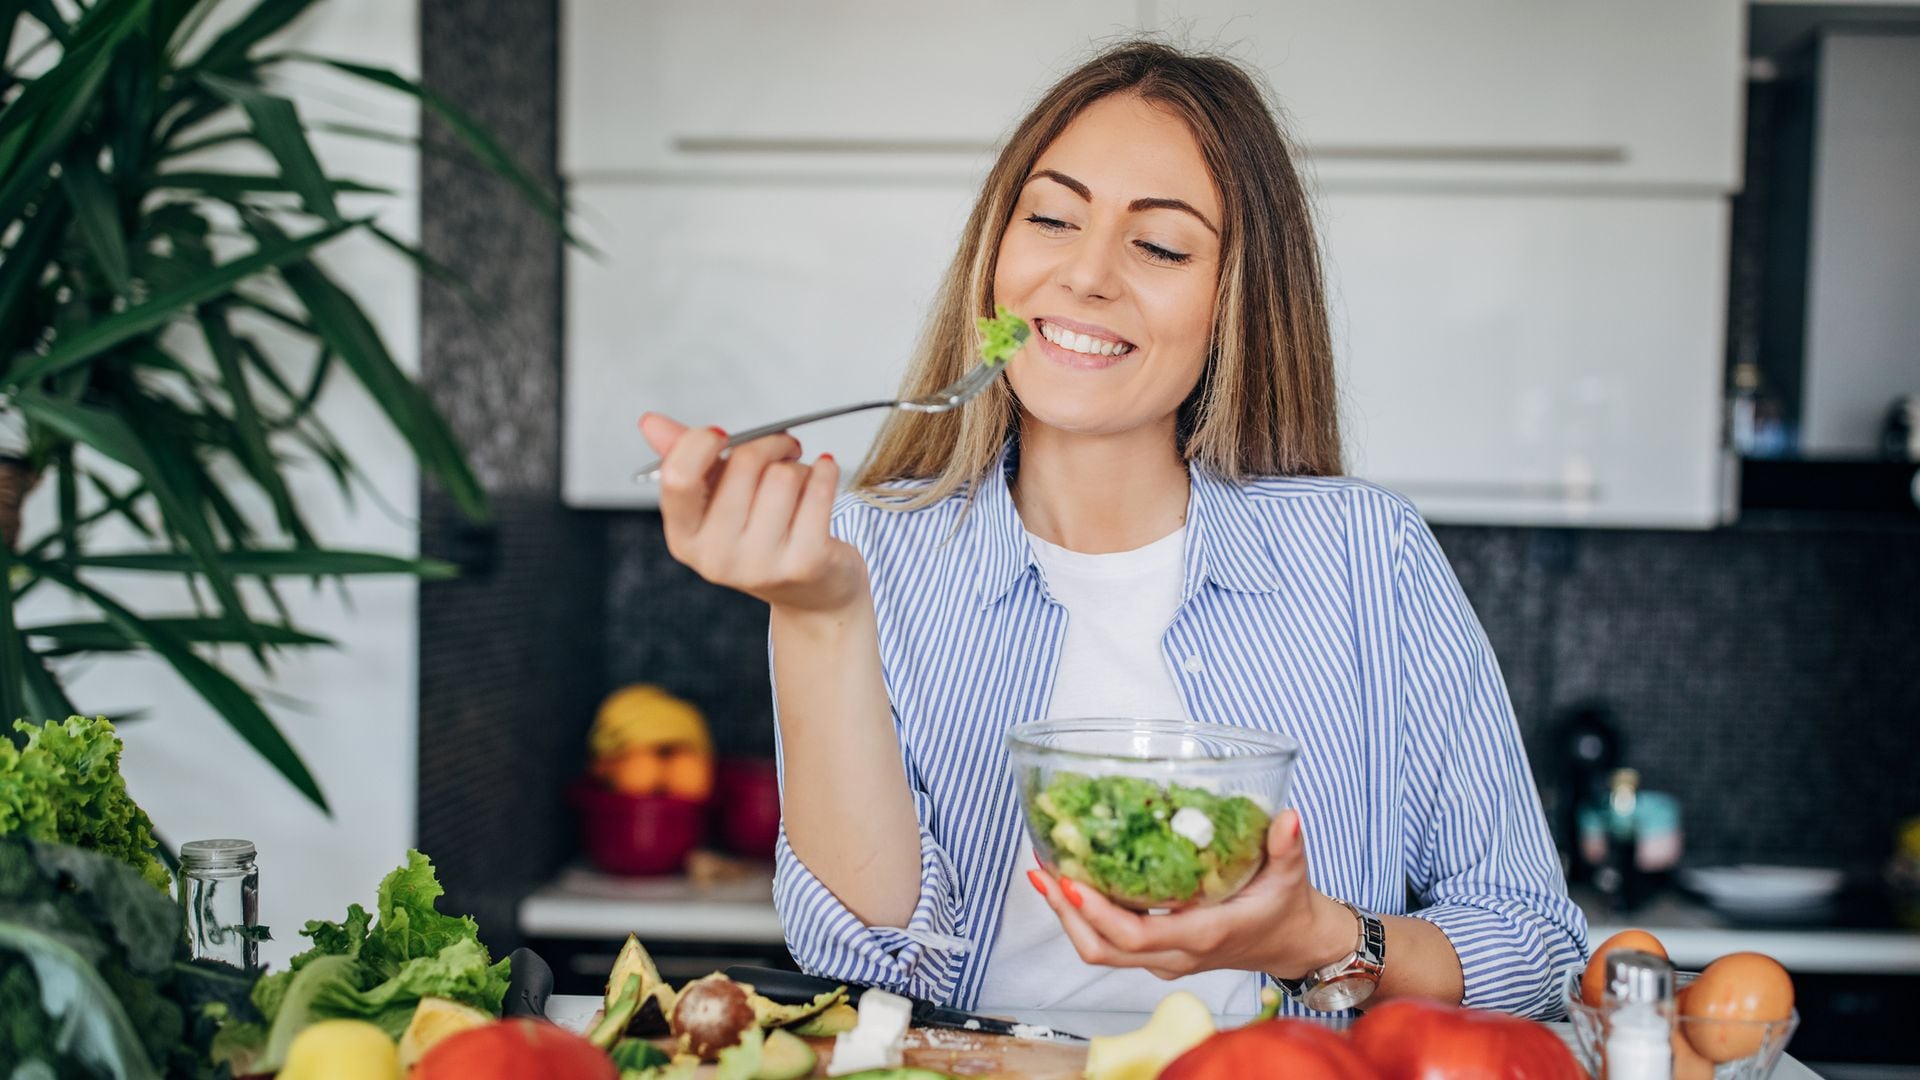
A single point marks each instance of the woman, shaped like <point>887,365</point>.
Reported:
<point>1144,519</point>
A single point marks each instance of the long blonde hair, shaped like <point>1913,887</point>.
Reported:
<point>1265,403</point>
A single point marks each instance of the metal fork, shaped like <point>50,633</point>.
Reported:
<point>949,397</point>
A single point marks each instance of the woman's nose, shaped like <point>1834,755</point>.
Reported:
<point>1089,268</point>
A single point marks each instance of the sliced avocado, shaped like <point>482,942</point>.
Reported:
<point>840,1017</point>
<point>785,1056</point>
<point>742,1061</point>
<point>772,1014</point>
<point>613,1022</point>
<point>633,960</point>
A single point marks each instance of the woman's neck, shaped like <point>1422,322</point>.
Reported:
<point>1100,493</point>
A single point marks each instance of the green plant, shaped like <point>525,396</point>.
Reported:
<point>135,287</point>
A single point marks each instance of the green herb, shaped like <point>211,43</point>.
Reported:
<point>63,785</point>
<point>1001,336</point>
<point>1115,833</point>
<point>364,968</point>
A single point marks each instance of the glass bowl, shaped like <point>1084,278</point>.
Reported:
<point>1153,814</point>
<point>1766,1038</point>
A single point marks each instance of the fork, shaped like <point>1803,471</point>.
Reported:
<point>947,398</point>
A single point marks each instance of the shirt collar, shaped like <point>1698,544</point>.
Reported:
<point>1226,542</point>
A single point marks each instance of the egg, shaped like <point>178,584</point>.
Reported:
<point>1737,987</point>
<point>1593,981</point>
<point>1687,1062</point>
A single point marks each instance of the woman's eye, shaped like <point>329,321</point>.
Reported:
<point>1160,254</point>
<point>1047,224</point>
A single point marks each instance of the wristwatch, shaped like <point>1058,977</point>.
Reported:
<point>1349,980</point>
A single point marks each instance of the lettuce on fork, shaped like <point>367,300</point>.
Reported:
<point>370,966</point>
<point>1001,336</point>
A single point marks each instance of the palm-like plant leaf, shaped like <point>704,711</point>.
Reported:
<point>109,248</point>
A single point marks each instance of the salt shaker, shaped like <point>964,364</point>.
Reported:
<point>1639,1016</point>
<point>220,888</point>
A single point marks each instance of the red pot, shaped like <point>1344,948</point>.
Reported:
<point>637,834</point>
<point>746,806</point>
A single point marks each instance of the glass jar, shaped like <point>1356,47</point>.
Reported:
<point>220,888</point>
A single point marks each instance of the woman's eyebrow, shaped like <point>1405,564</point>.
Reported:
<point>1135,206</point>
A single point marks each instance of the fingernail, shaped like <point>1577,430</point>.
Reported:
<point>1071,892</point>
<point>826,457</point>
<point>1039,881</point>
<point>718,432</point>
<point>1296,826</point>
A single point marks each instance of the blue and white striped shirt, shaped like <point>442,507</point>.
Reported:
<point>1318,607</point>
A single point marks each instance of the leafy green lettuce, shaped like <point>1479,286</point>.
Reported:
<point>371,968</point>
<point>1001,336</point>
<point>1115,833</point>
<point>62,784</point>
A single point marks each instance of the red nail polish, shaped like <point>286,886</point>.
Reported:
<point>1039,881</point>
<point>1296,826</point>
<point>718,431</point>
<point>1071,892</point>
<point>826,457</point>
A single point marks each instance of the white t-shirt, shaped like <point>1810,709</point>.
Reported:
<point>1118,608</point>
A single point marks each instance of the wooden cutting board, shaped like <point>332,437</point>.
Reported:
<point>970,1054</point>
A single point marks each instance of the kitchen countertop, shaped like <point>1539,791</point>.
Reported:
<point>574,1011</point>
<point>585,904</point>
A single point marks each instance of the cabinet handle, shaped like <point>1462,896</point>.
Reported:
<point>1490,155</point>
<point>827,144</point>
<point>908,145</point>
<point>1544,490</point>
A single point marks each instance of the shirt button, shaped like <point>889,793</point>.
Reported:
<point>1193,665</point>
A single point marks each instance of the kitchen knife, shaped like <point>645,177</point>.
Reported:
<point>529,982</point>
<point>793,988</point>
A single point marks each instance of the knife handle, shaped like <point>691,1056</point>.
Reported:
<point>529,982</point>
<point>789,987</point>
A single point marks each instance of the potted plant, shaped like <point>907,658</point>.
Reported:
<point>135,284</point>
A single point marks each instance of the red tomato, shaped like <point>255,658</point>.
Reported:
<point>518,1049</point>
<point>1296,1049</point>
<point>1412,1039</point>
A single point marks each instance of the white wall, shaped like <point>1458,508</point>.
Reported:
<point>352,712</point>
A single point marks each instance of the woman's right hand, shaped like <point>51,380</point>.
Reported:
<point>757,521</point>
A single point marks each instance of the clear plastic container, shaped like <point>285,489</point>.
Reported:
<point>1153,814</point>
<point>220,888</point>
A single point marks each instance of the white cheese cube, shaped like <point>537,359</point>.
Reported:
<point>1193,825</point>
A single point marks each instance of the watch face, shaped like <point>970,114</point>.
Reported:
<point>1341,993</point>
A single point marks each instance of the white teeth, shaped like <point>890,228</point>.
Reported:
<point>1082,343</point>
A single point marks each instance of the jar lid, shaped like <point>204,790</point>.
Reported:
<point>210,854</point>
<point>1635,977</point>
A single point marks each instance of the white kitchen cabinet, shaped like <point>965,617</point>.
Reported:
<point>1532,360</point>
<point>873,86</point>
<point>1524,204</point>
<point>1588,92</point>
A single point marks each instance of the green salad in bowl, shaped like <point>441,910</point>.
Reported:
<point>1154,814</point>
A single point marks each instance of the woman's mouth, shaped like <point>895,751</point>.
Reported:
<point>1081,345</point>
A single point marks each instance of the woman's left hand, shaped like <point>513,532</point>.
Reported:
<point>1278,924</point>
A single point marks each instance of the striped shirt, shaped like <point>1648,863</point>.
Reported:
<point>1317,607</point>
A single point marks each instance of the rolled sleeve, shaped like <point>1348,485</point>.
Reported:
<point>922,959</point>
<point>1479,856</point>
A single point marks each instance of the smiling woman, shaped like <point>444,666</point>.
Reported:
<point>1143,520</point>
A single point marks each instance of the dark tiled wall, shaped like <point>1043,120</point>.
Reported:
<point>1769,678</point>
<point>511,653</point>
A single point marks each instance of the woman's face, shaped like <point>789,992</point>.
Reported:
<point>1112,254</point>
